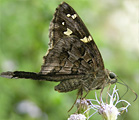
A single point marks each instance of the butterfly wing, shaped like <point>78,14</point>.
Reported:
<point>72,49</point>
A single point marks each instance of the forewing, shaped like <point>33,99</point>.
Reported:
<point>72,49</point>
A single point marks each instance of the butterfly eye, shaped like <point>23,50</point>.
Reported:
<point>112,75</point>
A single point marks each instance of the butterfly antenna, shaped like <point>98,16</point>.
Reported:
<point>127,89</point>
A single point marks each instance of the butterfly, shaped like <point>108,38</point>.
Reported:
<point>72,59</point>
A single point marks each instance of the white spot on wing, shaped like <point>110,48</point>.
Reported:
<point>68,15</point>
<point>74,16</point>
<point>63,23</point>
<point>68,32</point>
<point>90,38</point>
<point>86,40</point>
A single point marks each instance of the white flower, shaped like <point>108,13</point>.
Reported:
<point>109,111</point>
<point>77,117</point>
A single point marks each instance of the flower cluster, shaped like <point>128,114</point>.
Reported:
<point>109,111</point>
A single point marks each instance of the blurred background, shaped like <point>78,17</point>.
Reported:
<point>24,29</point>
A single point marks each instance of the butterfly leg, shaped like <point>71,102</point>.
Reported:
<point>86,94</point>
<point>80,93</point>
<point>74,103</point>
<point>101,94</point>
<point>108,92</point>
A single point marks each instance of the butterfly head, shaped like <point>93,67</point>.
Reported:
<point>112,78</point>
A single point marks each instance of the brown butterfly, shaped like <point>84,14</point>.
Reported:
<point>73,58</point>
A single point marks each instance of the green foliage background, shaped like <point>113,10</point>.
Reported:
<point>24,41</point>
